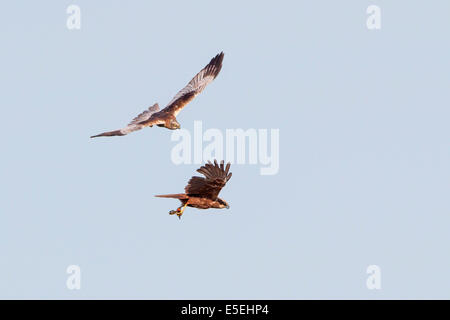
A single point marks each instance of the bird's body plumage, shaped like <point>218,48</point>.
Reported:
<point>202,193</point>
<point>167,116</point>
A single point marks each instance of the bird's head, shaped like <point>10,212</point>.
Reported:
<point>174,124</point>
<point>222,204</point>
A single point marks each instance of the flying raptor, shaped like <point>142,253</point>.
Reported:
<point>167,116</point>
<point>202,193</point>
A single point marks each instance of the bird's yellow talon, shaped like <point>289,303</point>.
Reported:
<point>180,211</point>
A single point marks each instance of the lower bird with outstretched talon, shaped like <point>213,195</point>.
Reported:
<point>202,193</point>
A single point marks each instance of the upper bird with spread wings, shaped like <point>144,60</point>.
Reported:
<point>167,116</point>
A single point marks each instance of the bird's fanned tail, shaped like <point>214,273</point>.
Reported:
<point>173,196</point>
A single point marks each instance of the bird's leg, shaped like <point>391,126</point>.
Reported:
<point>180,212</point>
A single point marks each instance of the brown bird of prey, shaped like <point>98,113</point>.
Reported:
<point>167,116</point>
<point>202,193</point>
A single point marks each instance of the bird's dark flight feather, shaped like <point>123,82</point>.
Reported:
<point>216,176</point>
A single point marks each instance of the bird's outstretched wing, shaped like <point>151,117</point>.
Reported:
<point>136,123</point>
<point>196,85</point>
<point>216,176</point>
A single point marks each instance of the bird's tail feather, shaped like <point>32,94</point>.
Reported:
<point>109,134</point>
<point>174,196</point>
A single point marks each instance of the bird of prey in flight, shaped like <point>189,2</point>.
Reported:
<point>167,116</point>
<point>202,193</point>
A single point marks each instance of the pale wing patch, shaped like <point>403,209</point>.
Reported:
<point>196,85</point>
<point>144,116</point>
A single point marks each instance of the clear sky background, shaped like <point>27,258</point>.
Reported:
<point>364,150</point>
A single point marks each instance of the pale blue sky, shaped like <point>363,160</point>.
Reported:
<point>364,150</point>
